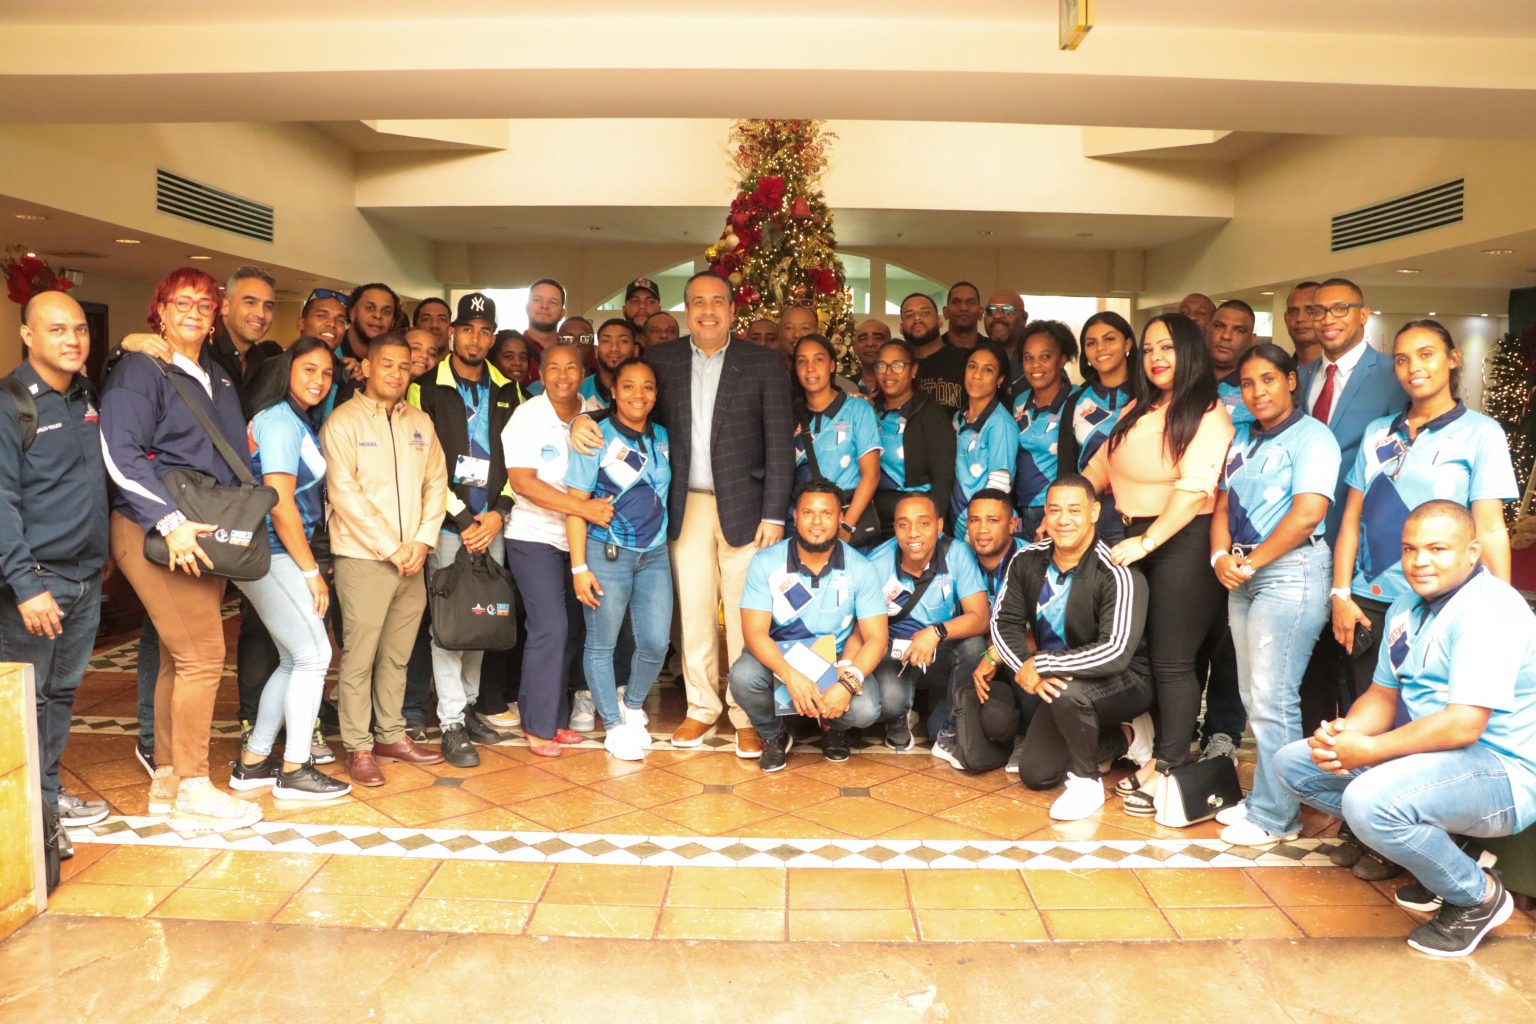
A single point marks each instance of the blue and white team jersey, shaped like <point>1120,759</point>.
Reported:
<point>283,441</point>
<point>635,470</point>
<point>955,575</point>
<point>1475,645</point>
<point>1266,469</point>
<point>1229,391</point>
<point>805,606</point>
<point>892,427</point>
<point>1051,608</point>
<point>1039,429</point>
<point>1097,411</point>
<point>995,578</point>
<point>842,433</point>
<point>985,455</point>
<point>1460,456</point>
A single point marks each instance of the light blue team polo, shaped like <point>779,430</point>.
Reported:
<point>1265,470</point>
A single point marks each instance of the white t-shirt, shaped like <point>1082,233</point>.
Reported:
<point>536,438</point>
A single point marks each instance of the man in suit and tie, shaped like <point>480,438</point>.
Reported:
<point>726,406</point>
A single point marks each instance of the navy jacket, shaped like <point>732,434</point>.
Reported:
<point>53,498</point>
<point>147,429</point>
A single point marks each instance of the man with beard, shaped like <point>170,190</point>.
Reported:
<point>991,532</point>
<point>812,587</point>
<point>1003,316</point>
<point>469,409</point>
<point>868,338</point>
<point>1300,326</point>
<point>615,344</point>
<point>371,312</point>
<point>1227,338</point>
<point>545,309</point>
<point>433,316</point>
<point>940,367</point>
<point>962,309</point>
<point>642,300</point>
<point>660,328</point>
<point>250,298</point>
<point>1199,308</point>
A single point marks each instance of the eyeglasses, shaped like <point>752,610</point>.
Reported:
<point>325,293</point>
<point>185,304</point>
<point>1339,310</point>
<point>1003,310</point>
<point>898,366</point>
<point>578,339</point>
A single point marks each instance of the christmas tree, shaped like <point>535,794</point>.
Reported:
<point>1509,376</point>
<point>778,248</point>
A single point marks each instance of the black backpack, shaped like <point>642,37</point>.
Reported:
<point>985,731</point>
<point>26,410</point>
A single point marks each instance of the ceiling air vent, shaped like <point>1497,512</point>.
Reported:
<point>1427,208</point>
<point>183,197</point>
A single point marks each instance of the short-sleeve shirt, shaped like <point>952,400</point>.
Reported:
<point>1144,477</point>
<point>1097,411</point>
<point>1051,608</point>
<point>1229,390</point>
<point>892,426</point>
<point>283,441</point>
<point>536,438</point>
<point>1266,469</point>
<point>635,470</point>
<point>986,452</point>
<point>955,576</point>
<point>995,578</point>
<point>1460,456</point>
<point>803,605</point>
<point>841,434</point>
<point>1475,645</point>
<point>1039,429</point>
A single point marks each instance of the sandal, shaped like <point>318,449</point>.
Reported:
<point>1140,803</point>
<point>1127,785</point>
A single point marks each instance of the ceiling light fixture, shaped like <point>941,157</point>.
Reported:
<point>1407,270</point>
<point>1484,315</point>
<point>30,216</point>
<point>199,257</point>
<point>1266,294</point>
<point>32,255</point>
<point>1497,252</point>
<point>126,241</point>
<point>1432,313</point>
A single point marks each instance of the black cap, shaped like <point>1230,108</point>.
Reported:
<point>476,306</point>
<point>642,284</point>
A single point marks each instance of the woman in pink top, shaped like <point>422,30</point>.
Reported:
<point>1162,462</point>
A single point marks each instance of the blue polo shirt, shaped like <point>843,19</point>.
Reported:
<point>283,441</point>
<point>1097,411</point>
<point>1229,391</point>
<point>805,606</point>
<point>1039,429</point>
<point>1266,469</point>
<point>986,453</point>
<point>636,471</point>
<point>1475,645</point>
<point>1460,456</point>
<point>841,434</point>
<point>955,576</point>
<point>892,427</point>
<point>1051,608</point>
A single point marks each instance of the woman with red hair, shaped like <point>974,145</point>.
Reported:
<point>148,428</point>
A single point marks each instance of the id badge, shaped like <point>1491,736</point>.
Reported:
<point>471,472</point>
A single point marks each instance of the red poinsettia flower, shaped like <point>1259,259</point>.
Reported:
<point>27,276</point>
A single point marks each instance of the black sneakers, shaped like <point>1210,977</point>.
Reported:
<point>1456,931</point>
<point>308,783</point>
<point>457,750</point>
<point>478,731</point>
<point>835,746</point>
<point>254,776</point>
<point>898,734</point>
<point>144,753</point>
<point>416,730</point>
<point>776,752</point>
<point>1414,896</point>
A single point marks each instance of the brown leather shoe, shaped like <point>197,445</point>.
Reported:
<point>363,769</point>
<point>749,744</point>
<point>691,733</point>
<point>406,750</point>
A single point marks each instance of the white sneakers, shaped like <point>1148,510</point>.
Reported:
<point>162,791</point>
<point>583,712</point>
<point>1081,798</point>
<point>506,721</point>
<point>627,741</point>
<point>1234,814</point>
<point>1242,832</point>
<point>1142,730</point>
<point>203,807</point>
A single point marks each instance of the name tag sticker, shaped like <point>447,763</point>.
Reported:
<point>471,472</point>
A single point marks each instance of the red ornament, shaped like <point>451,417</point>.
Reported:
<point>800,208</point>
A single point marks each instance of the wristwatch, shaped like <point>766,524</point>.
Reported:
<point>1147,544</point>
<point>942,630</point>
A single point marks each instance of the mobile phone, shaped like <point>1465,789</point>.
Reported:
<point>611,552</point>
<point>1364,638</point>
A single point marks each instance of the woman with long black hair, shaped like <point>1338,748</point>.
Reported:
<point>917,441</point>
<point>1163,461</point>
<point>1093,409</point>
<point>835,435</point>
<point>986,438</point>
<point>1047,348</point>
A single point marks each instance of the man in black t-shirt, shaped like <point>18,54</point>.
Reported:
<point>940,367</point>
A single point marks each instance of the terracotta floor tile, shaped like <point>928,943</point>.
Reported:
<point>862,817</point>
<point>349,812</point>
<point>473,917</point>
<point>1086,830</point>
<point>853,772</point>
<point>1315,887</point>
<point>986,782</point>
<point>785,791</point>
<point>147,865</point>
<point>847,889</point>
<point>571,810</point>
<point>86,750</point>
<point>717,769</point>
<point>1106,925</point>
<point>1008,819</point>
<point>967,890</point>
<point>978,925</point>
<point>649,788</point>
<point>398,778</point>
<point>103,775</point>
<point>1202,887</point>
<point>713,814</point>
<point>1231,923</point>
<point>513,783</point>
<point>220,905</point>
<point>588,766</point>
<point>727,888</point>
<point>343,911</point>
<point>488,880</point>
<point>1351,922</point>
<point>851,926</point>
<point>788,826</point>
<point>106,900</point>
<point>371,876</point>
<point>1087,890</point>
<point>594,922</point>
<point>728,924</point>
<point>259,872</point>
<point>666,756</point>
<point>1518,924</point>
<point>642,823</point>
<point>492,759</point>
<point>428,806</point>
<point>493,819</point>
<point>936,828</point>
<point>922,794</point>
<point>86,854</point>
<point>608,884</point>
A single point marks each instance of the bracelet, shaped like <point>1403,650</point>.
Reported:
<point>310,574</point>
<point>169,522</point>
<point>991,655</point>
<point>845,684</point>
<point>1216,556</point>
<point>577,570</point>
<point>1342,593</point>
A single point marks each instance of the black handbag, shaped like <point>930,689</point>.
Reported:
<point>237,546</point>
<point>1195,792</point>
<point>866,530</point>
<point>985,730</point>
<point>471,602</point>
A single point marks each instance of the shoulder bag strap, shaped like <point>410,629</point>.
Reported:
<point>923,584</point>
<point>810,446</point>
<point>242,472</point>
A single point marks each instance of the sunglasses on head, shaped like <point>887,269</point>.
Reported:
<point>345,298</point>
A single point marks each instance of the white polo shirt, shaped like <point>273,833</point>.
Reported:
<point>536,438</point>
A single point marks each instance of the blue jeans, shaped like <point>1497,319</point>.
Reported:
<point>1408,809</point>
<point>58,665</point>
<point>148,670</point>
<point>292,694</point>
<point>638,583</point>
<point>752,685</point>
<point>456,673</point>
<point>1276,617</point>
<point>953,663</point>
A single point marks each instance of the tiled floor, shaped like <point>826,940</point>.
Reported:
<point>593,847</point>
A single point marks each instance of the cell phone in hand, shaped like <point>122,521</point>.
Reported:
<point>1364,638</point>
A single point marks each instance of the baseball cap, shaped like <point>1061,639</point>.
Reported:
<point>475,306</point>
<point>642,284</point>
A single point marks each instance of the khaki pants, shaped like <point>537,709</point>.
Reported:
<point>381,613</point>
<point>185,611</point>
<point>708,572</point>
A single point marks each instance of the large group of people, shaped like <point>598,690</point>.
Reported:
<point>1199,524</point>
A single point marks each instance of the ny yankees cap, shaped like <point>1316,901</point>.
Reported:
<point>476,306</point>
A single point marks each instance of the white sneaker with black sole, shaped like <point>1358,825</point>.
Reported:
<point>1416,897</point>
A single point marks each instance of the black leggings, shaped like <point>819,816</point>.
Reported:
<point>1081,728</point>
<point>1183,600</point>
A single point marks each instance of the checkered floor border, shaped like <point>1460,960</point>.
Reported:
<point>705,851</point>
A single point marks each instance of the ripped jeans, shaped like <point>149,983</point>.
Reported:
<point>1276,617</point>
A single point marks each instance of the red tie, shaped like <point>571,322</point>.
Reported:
<point>1324,404</point>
